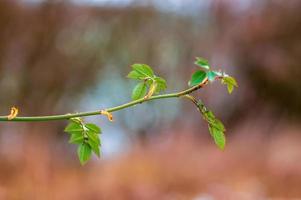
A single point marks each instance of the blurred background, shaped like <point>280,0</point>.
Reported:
<point>69,56</point>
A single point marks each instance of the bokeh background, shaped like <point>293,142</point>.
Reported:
<point>69,56</point>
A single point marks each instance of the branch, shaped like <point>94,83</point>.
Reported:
<point>98,112</point>
<point>86,135</point>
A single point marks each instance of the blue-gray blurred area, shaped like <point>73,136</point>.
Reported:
<point>61,57</point>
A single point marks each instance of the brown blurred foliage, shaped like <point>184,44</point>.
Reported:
<point>265,42</point>
<point>174,166</point>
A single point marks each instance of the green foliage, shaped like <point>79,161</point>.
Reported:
<point>139,91</point>
<point>161,84</point>
<point>84,152</point>
<point>86,136</point>
<point>230,82</point>
<point>93,128</point>
<point>135,75</point>
<point>218,136</point>
<point>76,138</point>
<point>211,75</point>
<point>74,127</point>
<point>205,72</point>
<point>203,63</point>
<point>149,83</point>
<point>143,69</point>
<point>216,127</point>
<point>197,78</point>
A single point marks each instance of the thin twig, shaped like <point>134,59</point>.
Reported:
<point>98,112</point>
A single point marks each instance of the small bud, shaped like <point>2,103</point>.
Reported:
<point>13,113</point>
<point>108,114</point>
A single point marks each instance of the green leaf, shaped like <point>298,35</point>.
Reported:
<point>86,136</point>
<point>154,83</point>
<point>93,137</point>
<point>218,136</point>
<point>95,147</point>
<point>74,127</point>
<point>211,75</point>
<point>94,142</point>
<point>135,75</point>
<point>139,91</point>
<point>203,63</point>
<point>230,82</point>
<point>84,152</point>
<point>93,128</point>
<point>161,84</point>
<point>143,70</point>
<point>216,127</point>
<point>209,116</point>
<point>197,78</point>
<point>76,138</point>
<point>149,82</point>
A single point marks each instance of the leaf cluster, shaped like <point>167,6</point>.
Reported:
<point>86,136</point>
<point>230,82</point>
<point>205,73</point>
<point>149,83</point>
